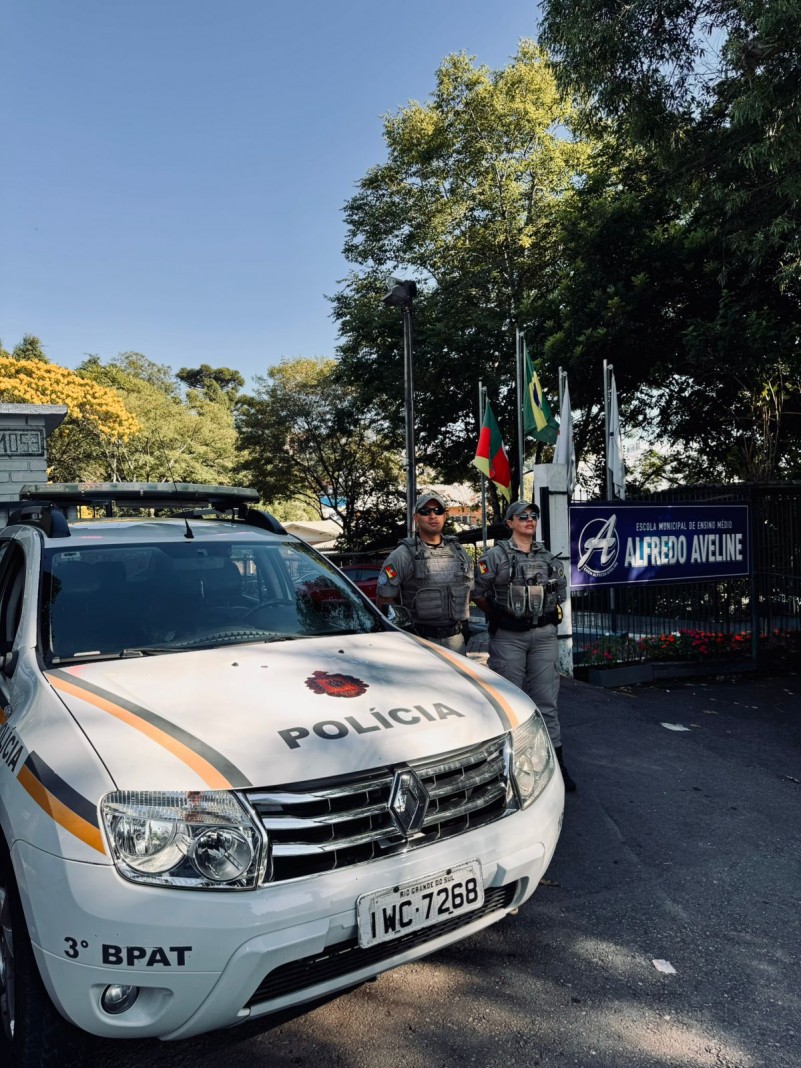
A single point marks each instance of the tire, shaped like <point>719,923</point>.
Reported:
<point>33,1034</point>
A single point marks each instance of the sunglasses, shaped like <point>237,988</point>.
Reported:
<point>434,510</point>
<point>524,517</point>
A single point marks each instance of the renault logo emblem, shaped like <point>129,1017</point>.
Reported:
<point>408,802</point>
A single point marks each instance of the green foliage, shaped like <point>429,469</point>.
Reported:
<point>305,435</point>
<point>294,510</point>
<point>30,348</point>
<point>684,244</point>
<point>465,203</point>
<point>188,440</point>
<point>215,382</point>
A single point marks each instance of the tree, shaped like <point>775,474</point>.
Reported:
<point>304,434</point>
<point>465,203</point>
<point>185,440</point>
<point>696,216</point>
<point>97,423</point>
<point>213,381</point>
<point>30,348</point>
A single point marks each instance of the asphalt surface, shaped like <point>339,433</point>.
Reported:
<point>680,846</point>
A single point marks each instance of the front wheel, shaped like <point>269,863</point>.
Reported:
<point>33,1034</point>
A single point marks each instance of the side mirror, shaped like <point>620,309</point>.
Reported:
<point>398,616</point>
<point>8,662</point>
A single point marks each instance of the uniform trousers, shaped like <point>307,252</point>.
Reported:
<point>529,659</point>
<point>455,642</point>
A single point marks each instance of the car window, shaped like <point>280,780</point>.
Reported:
<point>115,600</point>
<point>12,590</point>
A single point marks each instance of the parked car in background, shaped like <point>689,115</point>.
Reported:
<point>365,576</point>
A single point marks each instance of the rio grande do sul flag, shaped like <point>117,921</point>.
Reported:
<point>491,458</point>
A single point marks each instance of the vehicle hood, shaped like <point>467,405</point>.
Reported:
<point>271,714</point>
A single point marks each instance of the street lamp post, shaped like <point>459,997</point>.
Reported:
<point>402,296</point>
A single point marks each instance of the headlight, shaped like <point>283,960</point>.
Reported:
<point>195,840</point>
<point>532,759</point>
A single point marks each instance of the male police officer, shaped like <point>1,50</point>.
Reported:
<point>431,575</point>
<point>520,586</point>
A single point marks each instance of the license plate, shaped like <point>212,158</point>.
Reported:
<point>399,910</point>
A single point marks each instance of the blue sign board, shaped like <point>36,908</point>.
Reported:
<point>617,543</point>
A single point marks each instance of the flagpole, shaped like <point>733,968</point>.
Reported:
<point>608,367</point>
<point>608,370</point>
<point>481,395</point>
<point>521,440</point>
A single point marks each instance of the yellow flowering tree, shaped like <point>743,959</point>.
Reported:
<point>84,447</point>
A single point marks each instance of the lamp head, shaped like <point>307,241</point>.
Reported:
<point>400,294</point>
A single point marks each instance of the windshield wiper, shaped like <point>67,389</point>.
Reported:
<point>147,650</point>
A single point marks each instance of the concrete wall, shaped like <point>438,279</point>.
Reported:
<point>24,430</point>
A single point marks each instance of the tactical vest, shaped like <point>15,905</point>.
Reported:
<point>528,587</point>
<point>438,594</point>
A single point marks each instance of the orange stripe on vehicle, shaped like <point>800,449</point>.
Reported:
<point>64,816</point>
<point>210,775</point>
<point>465,668</point>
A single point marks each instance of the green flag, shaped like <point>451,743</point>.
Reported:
<point>540,423</point>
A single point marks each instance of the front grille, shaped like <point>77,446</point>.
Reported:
<point>335,823</point>
<point>347,958</point>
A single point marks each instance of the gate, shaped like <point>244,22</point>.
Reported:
<point>716,625</point>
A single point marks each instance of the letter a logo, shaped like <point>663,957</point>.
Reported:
<point>598,547</point>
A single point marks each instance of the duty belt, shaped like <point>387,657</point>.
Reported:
<point>509,622</point>
<point>438,632</point>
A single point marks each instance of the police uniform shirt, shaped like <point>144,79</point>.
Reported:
<point>400,581</point>
<point>495,571</point>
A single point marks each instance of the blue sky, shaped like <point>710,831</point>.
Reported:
<point>174,171</point>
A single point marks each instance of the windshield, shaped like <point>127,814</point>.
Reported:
<point>128,600</point>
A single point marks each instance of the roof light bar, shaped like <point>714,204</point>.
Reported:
<point>139,494</point>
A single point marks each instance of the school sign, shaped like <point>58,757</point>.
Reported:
<point>618,543</point>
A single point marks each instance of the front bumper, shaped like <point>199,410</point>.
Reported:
<point>206,960</point>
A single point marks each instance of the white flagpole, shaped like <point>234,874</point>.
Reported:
<point>607,458</point>
<point>617,465</point>
<point>519,380</point>
<point>609,378</point>
<point>564,453</point>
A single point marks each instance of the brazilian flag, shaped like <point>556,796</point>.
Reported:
<point>540,423</point>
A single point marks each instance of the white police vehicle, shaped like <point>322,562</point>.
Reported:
<point>228,785</point>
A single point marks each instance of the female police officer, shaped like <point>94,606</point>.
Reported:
<point>519,587</point>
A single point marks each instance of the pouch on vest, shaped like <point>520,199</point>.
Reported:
<point>536,597</point>
<point>428,604</point>
<point>516,601</point>
<point>528,572</point>
<point>460,602</point>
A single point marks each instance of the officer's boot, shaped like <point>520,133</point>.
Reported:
<point>570,786</point>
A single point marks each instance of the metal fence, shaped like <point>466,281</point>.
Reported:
<point>725,619</point>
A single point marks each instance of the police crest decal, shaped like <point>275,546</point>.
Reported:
<point>335,685</point>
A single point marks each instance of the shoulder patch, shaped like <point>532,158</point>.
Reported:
<point>483,567</point>
<point>390,572</point>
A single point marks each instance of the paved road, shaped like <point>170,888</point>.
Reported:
<point>682,846</point>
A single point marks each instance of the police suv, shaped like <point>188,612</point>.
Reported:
<point>229,785</point>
